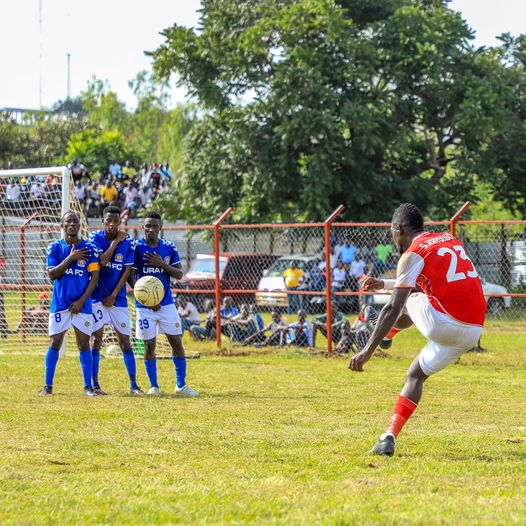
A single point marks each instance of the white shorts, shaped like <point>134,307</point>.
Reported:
<point>63,320</point>
<point>164,321</point>
<point>448,338</point>
<point>117,317</point>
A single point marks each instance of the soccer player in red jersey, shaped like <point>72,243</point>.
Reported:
<point>438,289</point>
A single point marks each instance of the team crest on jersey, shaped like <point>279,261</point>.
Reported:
<point>177,325</point>
<point>81,262</point>
<point>123,325</point>
<point>167,260</point>
<point>86,323</point>
<point>119,258</point>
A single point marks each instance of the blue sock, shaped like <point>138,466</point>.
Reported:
<point>180,370</point>
<point>95,354</point>
<point>86,362</point>
<point>151,371</point>
<point>51,365</point>
<point>129,362</point>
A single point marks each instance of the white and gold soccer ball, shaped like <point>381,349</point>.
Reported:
<point>149,291</point>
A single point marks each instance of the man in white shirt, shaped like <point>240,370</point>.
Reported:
<point>357,267</point>
<point>12,192</point>
<point>187,312</point>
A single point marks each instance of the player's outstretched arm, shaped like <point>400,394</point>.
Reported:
<point>387,318</point>
<point>74,255</point>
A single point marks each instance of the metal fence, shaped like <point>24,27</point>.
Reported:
<point>311,269</point>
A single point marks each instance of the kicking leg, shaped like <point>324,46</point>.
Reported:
<point>403,322</point>
<point>404,407</point>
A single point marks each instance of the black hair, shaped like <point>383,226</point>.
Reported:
<point>153,215</point>
<point>111,210</point>
<point>408,215</point>
<point>67,214</point>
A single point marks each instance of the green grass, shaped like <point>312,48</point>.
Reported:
<point>278,438</point>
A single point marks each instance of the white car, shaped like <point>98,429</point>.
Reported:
<point>496,304</point>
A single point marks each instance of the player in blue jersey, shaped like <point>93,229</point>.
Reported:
<point>73,266</point>
<point>159,258</point>
<point>115,250</point>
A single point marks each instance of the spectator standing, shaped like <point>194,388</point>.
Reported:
<point>128,172</point>
<point>357,268</point>
<point>293,276</point>
<point>78,170</point>
<point>114,169</point>
<point>347,251</point>
<point>81,192</point>
<point>108,193</point>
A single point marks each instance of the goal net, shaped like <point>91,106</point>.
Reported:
<point>32,201</point>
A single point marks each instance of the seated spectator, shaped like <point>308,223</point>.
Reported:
<point>339,274</point>
<point>259,320</point>
<point>130,195</point>
<point>37,190</point>
<point>228,310</point>
<point>35,320</point>
<point>300,333</point>
<point>155,176</point>
<point>187,312</point>
<point>354,338</point>
<point>165,170</point>
<point>277,328</point>
<point>333,260</point>
<point>208,332</point>
<point>239,327</point>
<point>319,323</point>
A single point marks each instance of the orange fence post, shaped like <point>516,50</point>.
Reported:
<point>217,224</point>
<point>23,275</point>
<point>460,212</point>
<point>328,304</point>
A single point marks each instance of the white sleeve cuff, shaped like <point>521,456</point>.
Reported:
<point>389,284</point>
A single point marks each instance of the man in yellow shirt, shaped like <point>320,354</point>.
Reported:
<point>108,193</point>
<point>293,277</point>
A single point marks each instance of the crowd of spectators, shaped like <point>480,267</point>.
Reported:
<point>245,326</point>
<point>124,186</point>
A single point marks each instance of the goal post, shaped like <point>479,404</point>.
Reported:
<point>32,202</point>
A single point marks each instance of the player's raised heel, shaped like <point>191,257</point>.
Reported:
<point>137,391</point>
<point>185,392</point>
<point>89,391</point>
<point>385,344</point>
<point>154,391</point>
<point>384,446</point>
<point>47,390</point>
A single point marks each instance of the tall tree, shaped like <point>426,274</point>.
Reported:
<point>311,103</point>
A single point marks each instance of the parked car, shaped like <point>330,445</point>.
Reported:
<point>271,289</point>
<point>496,304</point>
<point>237,271</point>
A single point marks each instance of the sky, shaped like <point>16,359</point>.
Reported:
<point>107,39</point>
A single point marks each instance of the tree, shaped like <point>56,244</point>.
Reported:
<point>308,104</point>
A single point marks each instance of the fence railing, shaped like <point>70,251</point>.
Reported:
<point>310,267</point>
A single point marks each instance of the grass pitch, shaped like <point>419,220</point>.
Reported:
<point>278,438</point>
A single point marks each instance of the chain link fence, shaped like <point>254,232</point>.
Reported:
<point>274,280</point>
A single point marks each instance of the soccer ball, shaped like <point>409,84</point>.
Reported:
<point>113,350</point>
<point>149,291</point>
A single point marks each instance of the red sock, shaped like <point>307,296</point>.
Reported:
<point>391,334</point>
<point>403,409</point>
